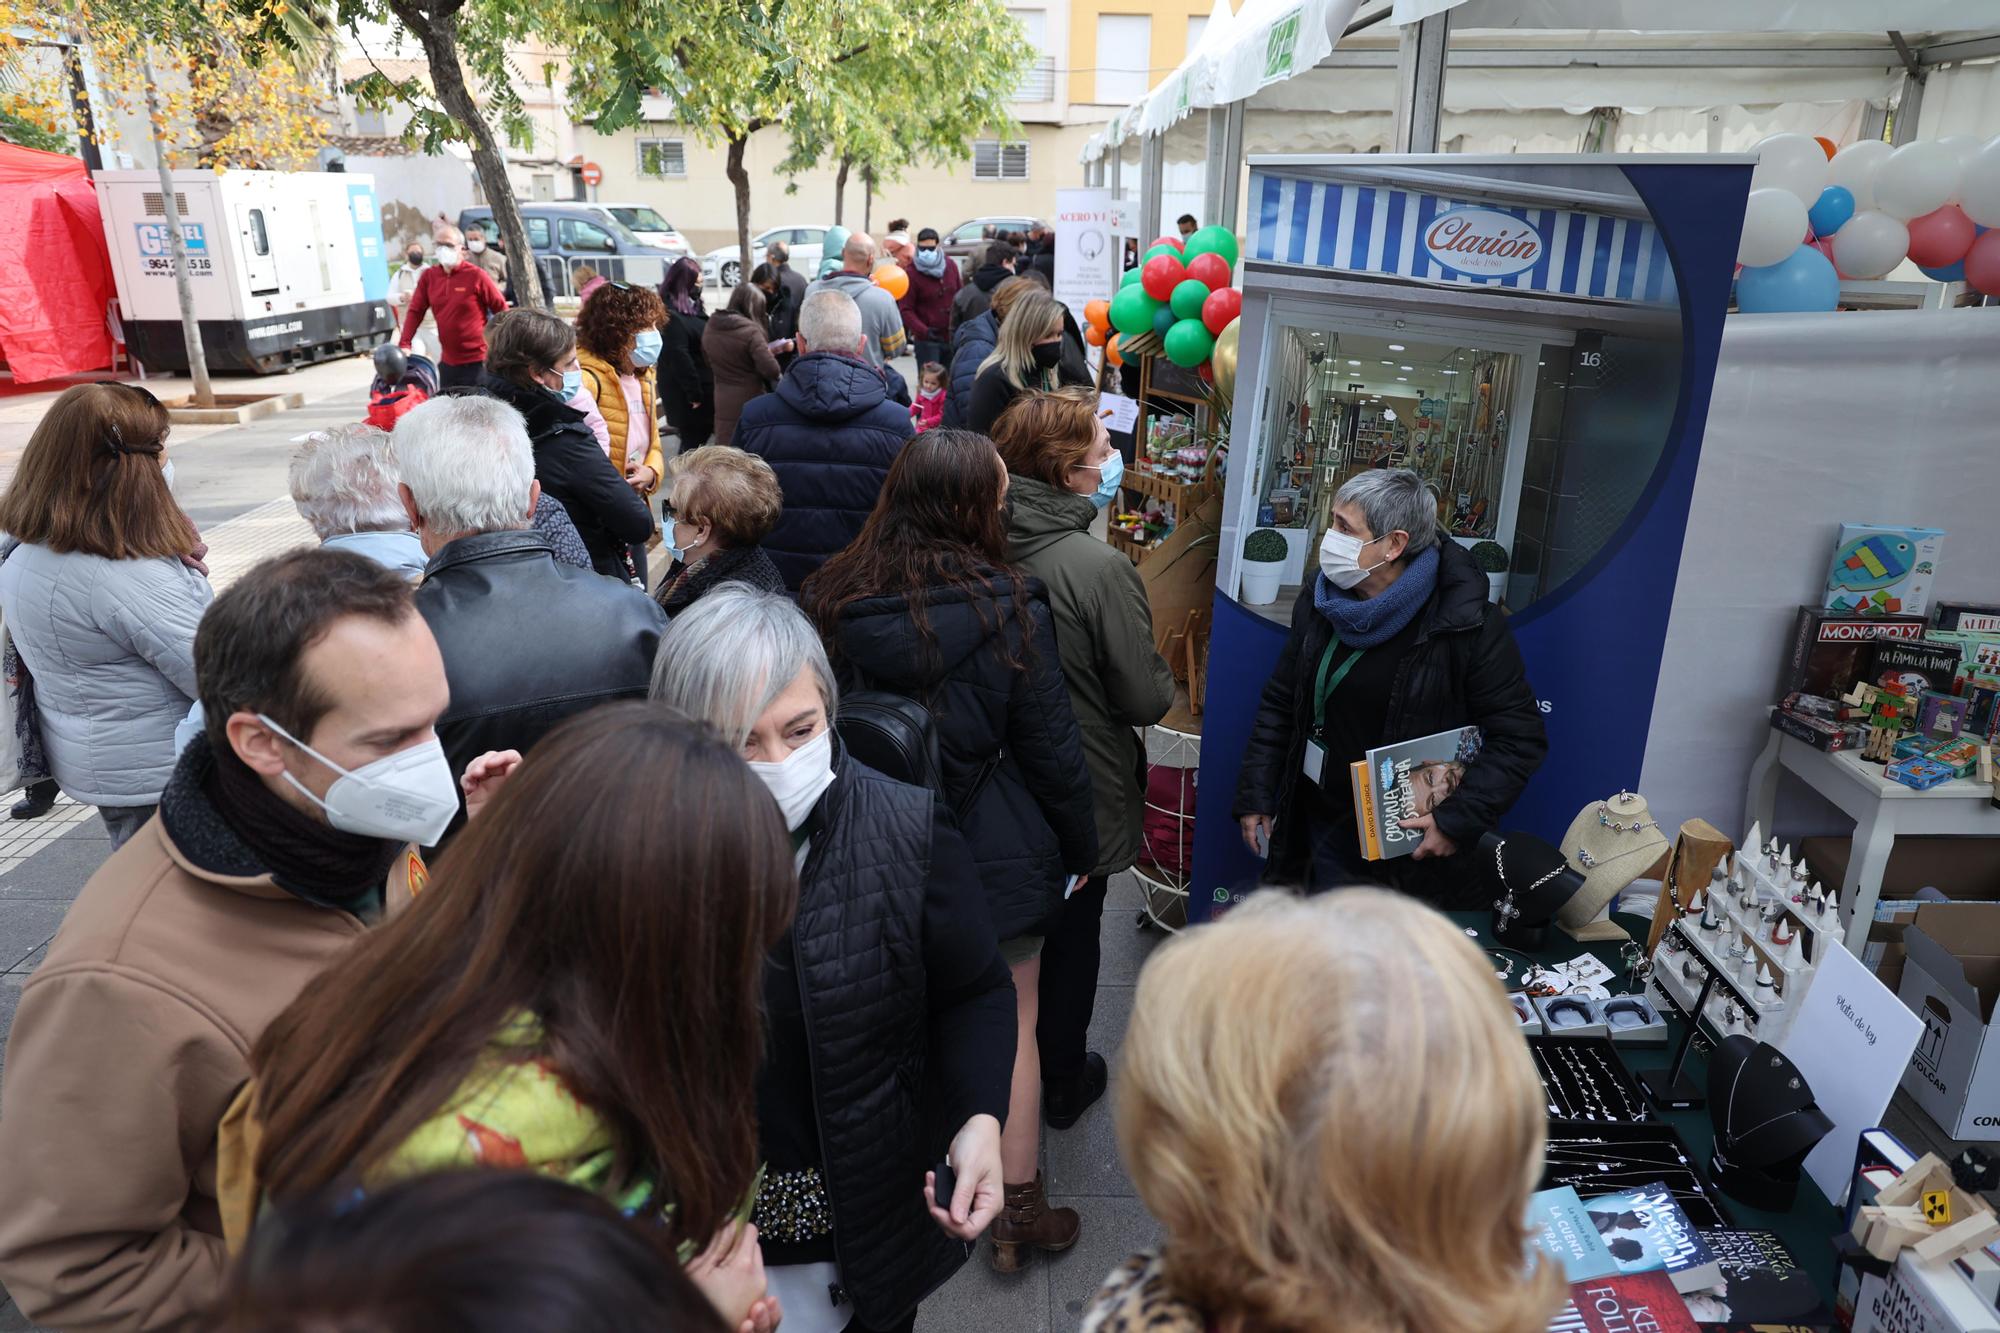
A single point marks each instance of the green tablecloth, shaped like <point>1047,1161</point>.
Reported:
<point>1809,1226</point>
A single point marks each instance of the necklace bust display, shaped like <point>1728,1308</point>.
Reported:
<point>1530,881</point>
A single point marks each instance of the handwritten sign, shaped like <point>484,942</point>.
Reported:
<point>1852,1039</point>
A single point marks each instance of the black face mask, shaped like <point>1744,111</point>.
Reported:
<point>1048,355</point>
<point>415,256</point>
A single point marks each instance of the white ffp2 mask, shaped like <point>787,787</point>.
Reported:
<point>800,779</point>
<point>408,796</point>
<point>1340,558</point>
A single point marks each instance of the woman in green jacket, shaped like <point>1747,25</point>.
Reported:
<point>1064,470</point>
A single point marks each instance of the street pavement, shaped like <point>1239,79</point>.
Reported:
<point>231,480</point>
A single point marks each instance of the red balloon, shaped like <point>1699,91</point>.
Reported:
<point>1982,264</point>
<point>1207,372</point>
<point>1210,269</point>
<point>1174,241</point>
<point>1823,244</point>
<point>1940,238</point>
<point>1828,147</point>
<point>1222,305</point>
<point>1161,275</point>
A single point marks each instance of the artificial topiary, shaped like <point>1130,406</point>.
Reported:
<point>1266,546</point>
<point>1491,557</point>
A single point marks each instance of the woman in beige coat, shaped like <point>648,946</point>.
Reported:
<point>737,347</point>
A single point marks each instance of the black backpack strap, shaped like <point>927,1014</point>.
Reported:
<point>979,780</point>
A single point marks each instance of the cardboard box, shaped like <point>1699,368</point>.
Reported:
<point>1919,1297</point>
<point>1968,618</point>
<point>1882,569</point>
<point>1951,981</point>
<point>1921,666</point>
<point>1829,650</point>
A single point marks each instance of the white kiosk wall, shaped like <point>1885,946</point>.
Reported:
<point>1882,417</point>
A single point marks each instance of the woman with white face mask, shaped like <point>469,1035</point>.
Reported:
<point>1392,639</point>
<point>890,1014</point>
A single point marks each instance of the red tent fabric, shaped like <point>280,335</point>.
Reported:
<point>55,272</point>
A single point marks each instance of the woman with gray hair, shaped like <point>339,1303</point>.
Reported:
<point>1393,640</point>
<point>344,483</point>
<point>890,1013</point>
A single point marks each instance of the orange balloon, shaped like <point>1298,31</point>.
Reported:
<point>1826,145</point>
<point>891,279</point>
<point>1111,351</point>
<point>1098,315</point>
<point>1094,336</point>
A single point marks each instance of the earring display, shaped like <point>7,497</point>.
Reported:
<point>1583,1079</point>
<point>1611,1158</point>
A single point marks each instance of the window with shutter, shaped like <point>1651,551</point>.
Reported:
<point>662,157</point>
<point>993,160</point>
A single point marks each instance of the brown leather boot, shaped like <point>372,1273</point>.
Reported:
<point>1027,1222</point>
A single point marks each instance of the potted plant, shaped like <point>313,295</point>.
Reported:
<point>1264,555</point>
<point>1492,557</point>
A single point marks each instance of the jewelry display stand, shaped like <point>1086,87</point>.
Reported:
<point>1607,1158</point>
<point>1697,851</point>
<point>1583,1079</point>
<point>1671,1089</point>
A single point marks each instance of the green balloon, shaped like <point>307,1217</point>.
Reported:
<point>1189,343</point>
<point>1131,278</point>
<point>1162,249</point>
<point>1132,310</point>
<point>1163,318</point>
<point>1187,298</point>
<point>1213,241</point>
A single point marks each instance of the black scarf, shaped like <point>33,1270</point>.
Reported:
<point>223,818</point>
<point>686,584</point>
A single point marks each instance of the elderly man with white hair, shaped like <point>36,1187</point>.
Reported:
<point>459,296</point>
<point>526,641</point>
<point>830,432</point>
<point>344,483</point>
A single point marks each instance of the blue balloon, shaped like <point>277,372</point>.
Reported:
<point>1804,281</point>
<point>1830,214</point>
<point>1952,272</point>
<point>1163,319</point>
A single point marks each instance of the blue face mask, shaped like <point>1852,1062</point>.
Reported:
<point>572,385</point>
<point>645,348</point>
<point>1109,474</point>
<point>670,538</point>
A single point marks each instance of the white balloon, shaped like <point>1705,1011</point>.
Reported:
<point>1791,162</point>
<point>1979,189</point>
<point>1853,169</point>
<point>1774,225</point>
<point>1965,145</point>
<point>1870,245</point>
<point>1915,179</point>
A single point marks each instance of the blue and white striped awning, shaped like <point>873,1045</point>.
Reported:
<point>1376,229</point>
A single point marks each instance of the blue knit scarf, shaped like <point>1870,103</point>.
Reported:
<point>1365,622</point>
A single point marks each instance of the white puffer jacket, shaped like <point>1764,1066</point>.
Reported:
<point>110,644</point>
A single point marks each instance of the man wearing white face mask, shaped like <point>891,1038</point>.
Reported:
<point>526,641</point>
<point>285,830</point>
<point>461,296</point>
<point>1393,639</point>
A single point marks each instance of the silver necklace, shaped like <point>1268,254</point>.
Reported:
<point>1504,911</point>
<point>1605,820</point>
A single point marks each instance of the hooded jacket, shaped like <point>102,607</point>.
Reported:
<point>1011,755</point>
<point>609,515</point>
<point>1104,637</point>
<point>970,346</point>
<point>926,306</point>
<point>830,432</point>
<point>881,320</point>
<point>976,297</point>
<point>1463,668</point>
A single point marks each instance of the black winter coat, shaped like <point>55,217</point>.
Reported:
<point>527,642</point>
<point>976,297</point>
<point>830,431</point>
<point>609,515</point>
<point>910,1025</point>
<point>1031,822</point>
<point>684,378</point>
<point>1464,668</point>
<point>970,346</point>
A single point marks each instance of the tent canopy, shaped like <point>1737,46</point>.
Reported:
<point>55,272</point>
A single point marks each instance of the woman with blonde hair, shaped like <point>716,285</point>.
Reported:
<point>721,503</point>
<point>1027,356</point>
<point>1320,1167</point>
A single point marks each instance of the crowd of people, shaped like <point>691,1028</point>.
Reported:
<point>463,840</point>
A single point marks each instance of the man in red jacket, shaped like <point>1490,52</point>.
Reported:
<point>461,296</point>
<point>926,306</point>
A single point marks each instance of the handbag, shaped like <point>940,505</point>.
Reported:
<point>897,737</point>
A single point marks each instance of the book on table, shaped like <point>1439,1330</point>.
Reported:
<point>1646,1231</point>
<point>1563,1231</point>
<point>1404,781</point>
<point>1625,1303</point>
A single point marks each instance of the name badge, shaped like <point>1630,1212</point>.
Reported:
<point>1315,761</point>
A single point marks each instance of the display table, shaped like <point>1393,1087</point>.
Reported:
<point>1882,811</point>
<point>1809,1226</point>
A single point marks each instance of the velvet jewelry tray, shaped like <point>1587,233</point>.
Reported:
<point>1599,1159</point>
<point>1583,1079</point>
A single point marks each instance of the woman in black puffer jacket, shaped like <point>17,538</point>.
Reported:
<point>530,356</point>
<point>924,605</point>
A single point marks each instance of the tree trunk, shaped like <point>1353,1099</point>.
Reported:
<point>740,178</point>
<point>840,191</point>
<point>438,35</point>
<point>197,359</point>
<point>868,200</point>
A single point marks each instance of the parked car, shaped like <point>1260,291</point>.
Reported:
<point>563,235</point>
<point>645,222</point>
<point>724,267</point>
<point>968,240</point>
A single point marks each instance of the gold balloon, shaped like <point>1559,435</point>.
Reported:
<point>1222,361</point>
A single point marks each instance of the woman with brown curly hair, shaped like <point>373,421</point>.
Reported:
<point>617,345</point>
<point>923,603</point>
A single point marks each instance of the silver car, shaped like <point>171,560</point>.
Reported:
<point>723,267</point>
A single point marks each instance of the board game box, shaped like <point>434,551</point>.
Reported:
<point>1882,570</point>
<point>1829,649</point>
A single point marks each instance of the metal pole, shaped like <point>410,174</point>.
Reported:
<point>1230,175</point>
<point>1420,62</point>
<point>79,101</point>
<point>1117,155</point>
<point>1152,172</point>
<point>1908,110</point>
<point>204,394</point>
<point>1211,185</point>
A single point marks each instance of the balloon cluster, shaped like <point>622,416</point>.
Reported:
<point>1180,291</point>
<point>1817,215</point>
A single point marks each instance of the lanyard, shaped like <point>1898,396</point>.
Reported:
<point>1328,683</point>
